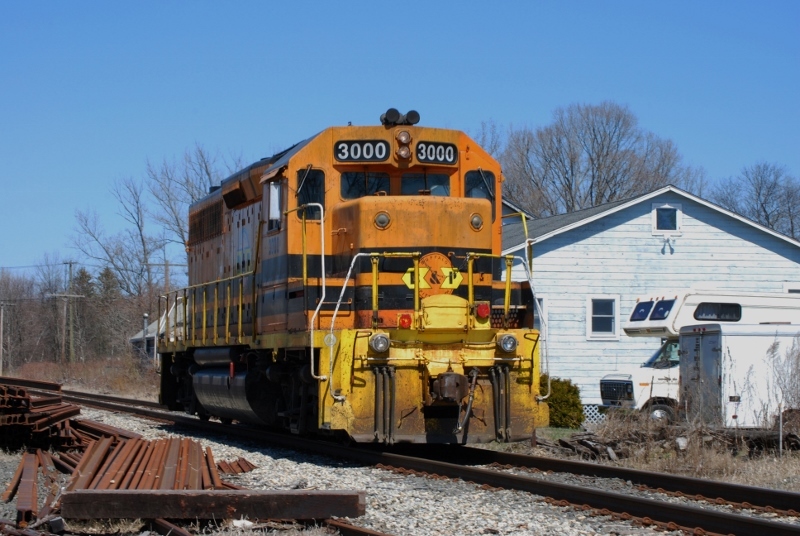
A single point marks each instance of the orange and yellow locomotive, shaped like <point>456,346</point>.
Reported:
<point>353,284</point>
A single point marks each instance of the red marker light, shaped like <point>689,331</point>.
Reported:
<point>483,310</point>
<point>405,321</point>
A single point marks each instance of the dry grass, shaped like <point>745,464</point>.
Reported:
<point>128,377</point>
<point>699,453</point>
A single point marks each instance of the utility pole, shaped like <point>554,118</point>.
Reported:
<point>2,310</point>
<point>71,306</point>
<point>3,306</point>
<point>64,323</point>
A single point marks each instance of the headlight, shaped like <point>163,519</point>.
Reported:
<point>476,221</point>
<point>382,220</point>
<point>403,137</point>
<point>507,343</point>
<point>379,343</point>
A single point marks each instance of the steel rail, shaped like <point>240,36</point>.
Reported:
<point>713,489</point>
<point>346,529</point>
<point>710,520</point>
<point>33,384</point>
<point>710,489</point>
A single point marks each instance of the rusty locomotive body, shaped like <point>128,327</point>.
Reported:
<point>353,284</point>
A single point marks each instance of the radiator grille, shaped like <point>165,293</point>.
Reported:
<point>615,390</point>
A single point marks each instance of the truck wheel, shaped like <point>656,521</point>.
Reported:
<point>662,412</point>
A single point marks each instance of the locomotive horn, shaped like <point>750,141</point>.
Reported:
<point>391,117</point>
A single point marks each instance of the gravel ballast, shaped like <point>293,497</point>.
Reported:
<point>396,503</point>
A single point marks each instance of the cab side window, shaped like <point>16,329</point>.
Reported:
<point>274,206</point>
<point>310,189</point>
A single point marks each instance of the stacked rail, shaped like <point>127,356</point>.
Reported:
<point>114,473</point>
<point>25,419</point>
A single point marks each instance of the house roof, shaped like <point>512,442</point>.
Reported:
<point>514,235</point>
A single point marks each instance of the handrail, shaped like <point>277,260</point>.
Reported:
<point>542,320</point>
<point>189,327</point>
<point>305,275</point>
<point>507,294</point>
<point>374,258</point>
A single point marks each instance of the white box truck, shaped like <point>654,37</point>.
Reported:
<point>653,385</point>
<point>739,375</point>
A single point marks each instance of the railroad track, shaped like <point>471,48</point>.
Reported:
<point>459,463</point>
<point>48,390</point>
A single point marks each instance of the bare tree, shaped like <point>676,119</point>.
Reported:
<point>490,138</point>
<point>764,193</point>
<point>589,155</point>
<point>130,253</point>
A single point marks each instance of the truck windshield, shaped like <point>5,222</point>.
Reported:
<point>662,309</point>
<point>665,357</point>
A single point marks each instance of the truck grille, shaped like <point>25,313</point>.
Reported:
<point>615,390</point>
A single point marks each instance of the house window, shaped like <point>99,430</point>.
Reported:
<point>667,218</point>
<point>602,317</point>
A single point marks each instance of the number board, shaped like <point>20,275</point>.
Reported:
<point>431,152</point>
<point>361,150</point>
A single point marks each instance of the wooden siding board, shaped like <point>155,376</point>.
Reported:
<point>619,255</point>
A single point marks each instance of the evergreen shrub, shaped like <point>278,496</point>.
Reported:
<point>566,409</point>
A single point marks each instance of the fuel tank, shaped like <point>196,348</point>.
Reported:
<point>223,395</point>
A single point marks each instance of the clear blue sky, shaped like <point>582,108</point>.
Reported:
<point>89,91</point>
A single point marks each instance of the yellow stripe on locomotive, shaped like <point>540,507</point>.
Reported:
<point>353,284</point>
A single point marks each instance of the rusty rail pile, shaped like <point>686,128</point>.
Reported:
<point>24,484</point>
<point>235,467</point>
<point>25,419</point>
<point>116,474</point>
<point>136,463</point>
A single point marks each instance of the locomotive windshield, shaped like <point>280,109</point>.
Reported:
<point>357,184</point>
<point>479,184</point>
<point>432,183</point>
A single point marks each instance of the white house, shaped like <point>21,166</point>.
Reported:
<point>589,266</point>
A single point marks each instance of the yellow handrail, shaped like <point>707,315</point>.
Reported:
<point>214,316</point>
<point>471,290</point>
<point>203,316</point>
<point>241,292</point>
<point>228,312</point>
<point>374,260</point>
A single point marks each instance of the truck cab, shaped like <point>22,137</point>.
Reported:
<point>652,387</point>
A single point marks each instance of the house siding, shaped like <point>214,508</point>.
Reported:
<point>619,255</point>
